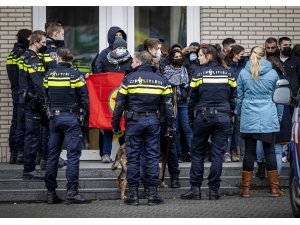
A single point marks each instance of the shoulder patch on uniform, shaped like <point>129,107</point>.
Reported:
<point>53,46</point>
<point>53,55</point>
<point>81,77</point>
<point>34,66</point>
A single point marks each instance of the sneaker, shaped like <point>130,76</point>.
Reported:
<point>284,159</point>
<point>106,159</point>
<point>235,158</point>
<point>227,158</point>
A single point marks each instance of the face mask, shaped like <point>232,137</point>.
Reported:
<point>269,54</point>
<point>178,62</point>
<point>43,48</point>
<point>158,54</point>
<point>120,52</point>
<point>59,43</point>
<point>242,60</point>
<point>287,51</point>
<point>193,57</point>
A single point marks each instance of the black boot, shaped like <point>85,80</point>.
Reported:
<point>43,164</point>
<point>38,158</point>
<point>20,158</point>
<point>193,193</point>
<point>146,191</point>
<point>261,172</point>
<point>175,181</point>
<point>153,198</point>
<point>213,195</point>
<point>52,198</point>
<point>73,197</point>
<point>133,196</point>
<point>13,157</point>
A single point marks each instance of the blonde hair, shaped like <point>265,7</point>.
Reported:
<point>256,54</point>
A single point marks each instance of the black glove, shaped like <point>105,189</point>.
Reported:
<point>171,131</point>
<point>117,130</point>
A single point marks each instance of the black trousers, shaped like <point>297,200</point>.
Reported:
<point>250,155</point>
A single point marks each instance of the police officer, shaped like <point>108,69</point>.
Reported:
<point>54,40</point>
<point>141,94</point>
<point>32,84</point>
<point>16,142</point>
<point>64,126</point>
<point>211,103</point>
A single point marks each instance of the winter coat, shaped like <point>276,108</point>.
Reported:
<point>255,108</point>
<point>111,34</point>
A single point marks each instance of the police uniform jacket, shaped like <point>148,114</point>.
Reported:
<point>255,108</point>
<point>12,64</point>
<point>31,76</point>
<point>50,54</point>
<point>212,86</point>
<point>65,89</point>
<point>143,91</point>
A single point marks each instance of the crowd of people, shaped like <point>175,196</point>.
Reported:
<point>215,101</point>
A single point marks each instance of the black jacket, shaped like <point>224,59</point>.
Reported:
<point>98,60</point>
<point>292,72</point>
<point>12,64</point>
<point>31,76</point>
<point>212,86</point>
<point>142,91</point>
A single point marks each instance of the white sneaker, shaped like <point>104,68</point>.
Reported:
<point>227,158</point>
<point>106,159</point>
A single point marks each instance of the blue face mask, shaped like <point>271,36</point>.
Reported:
<point>121,52</point>
<point>193,57</point>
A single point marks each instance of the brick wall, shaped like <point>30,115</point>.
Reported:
<point>12,19</point>
<point>249,26</point>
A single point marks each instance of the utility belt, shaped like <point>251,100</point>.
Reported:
<point>57,112</point>
<point>134,116</point>
<point>209,112</point>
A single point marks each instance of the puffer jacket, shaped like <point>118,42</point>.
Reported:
<point>255,108</point>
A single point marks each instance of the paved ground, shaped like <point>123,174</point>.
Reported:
<point>260,205</point>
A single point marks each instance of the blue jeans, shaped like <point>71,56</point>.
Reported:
<point>278,152</point>
<point>182,120</point>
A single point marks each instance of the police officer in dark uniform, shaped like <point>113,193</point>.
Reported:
<point>16,141</point>
<point>212,100</point>
<point>64,125</point>
<point>54,40</point>
<point>32,74</point>
<point>141,94</point>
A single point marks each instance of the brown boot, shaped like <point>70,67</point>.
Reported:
<point>274,183</point>
<point>246,183</point>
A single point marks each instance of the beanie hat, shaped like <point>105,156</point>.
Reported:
<point>195,44</point>
<point>119,42</point>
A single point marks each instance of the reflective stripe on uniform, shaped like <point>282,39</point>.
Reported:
<point>62,82</point>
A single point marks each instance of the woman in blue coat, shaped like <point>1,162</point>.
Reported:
<point>259,117</point>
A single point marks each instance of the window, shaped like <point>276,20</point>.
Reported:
<point>167,23</point>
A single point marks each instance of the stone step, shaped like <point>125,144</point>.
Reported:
<point>232,169</point>
<point>100,193</point>
<point>86,183</point>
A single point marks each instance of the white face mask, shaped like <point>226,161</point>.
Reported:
<point>121,52</point>
<point>158,53</point>
<point>193,57</point>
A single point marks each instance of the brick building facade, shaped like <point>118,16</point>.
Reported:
<point>249,26</point>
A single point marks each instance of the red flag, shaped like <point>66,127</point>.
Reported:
<point>103,89</point>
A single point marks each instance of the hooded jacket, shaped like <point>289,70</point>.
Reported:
<point>111,34</point>
<point>255,108</point>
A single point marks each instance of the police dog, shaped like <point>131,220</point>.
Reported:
<point>121,178</point>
